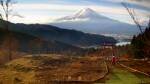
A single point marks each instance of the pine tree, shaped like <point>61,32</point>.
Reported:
<point>141,44</point>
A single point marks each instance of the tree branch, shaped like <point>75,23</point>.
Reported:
<point>132,16</point>
<point>2,5</point>
<point>1,17</point>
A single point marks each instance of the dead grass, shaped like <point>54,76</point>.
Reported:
<point>42,69</point>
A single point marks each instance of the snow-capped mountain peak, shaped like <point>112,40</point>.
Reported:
<point>86,13</point>
<point>88,20</point>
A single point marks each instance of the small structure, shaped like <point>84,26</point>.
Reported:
<point>107,46</point>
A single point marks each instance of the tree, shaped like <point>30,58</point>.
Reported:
<point>141,46</point>
<point>132,15</point>
<point>149,23</point>
<point>6,8</point>
<point>140,43</point>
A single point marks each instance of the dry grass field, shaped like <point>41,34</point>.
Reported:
<point>52,68</point>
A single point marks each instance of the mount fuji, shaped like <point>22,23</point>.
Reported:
<point>89,21</point>
<point>83,14</point>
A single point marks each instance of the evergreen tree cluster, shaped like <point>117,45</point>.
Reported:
<point>141,44</point>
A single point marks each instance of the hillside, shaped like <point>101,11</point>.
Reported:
<point>30,44</point>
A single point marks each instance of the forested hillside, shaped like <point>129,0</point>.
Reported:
<point>21,44</point>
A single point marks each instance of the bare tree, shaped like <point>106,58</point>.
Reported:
<point>145,39</point>
<point>149,23</point>
<point>6,8</point>
<point>132,15</point>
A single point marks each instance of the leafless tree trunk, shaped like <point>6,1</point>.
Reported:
<point>6,8</point>
<point>149,23</point>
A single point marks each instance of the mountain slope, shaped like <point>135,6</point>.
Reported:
<point>28,43</point>
<point>88,20</point>
<point>71,37</point>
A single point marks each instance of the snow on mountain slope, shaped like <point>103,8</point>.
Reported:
<point>82,14</point>
<point>88,20</point>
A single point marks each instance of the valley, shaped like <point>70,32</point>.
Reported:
<point>74,42</point>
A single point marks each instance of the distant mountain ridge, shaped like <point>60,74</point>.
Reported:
<point>88,20</point>
<point>70,37</point>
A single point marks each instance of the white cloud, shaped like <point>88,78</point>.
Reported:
<point>66,8</point>
<point>40,13</point>
<point>31,19</point>
<point>145,3</point>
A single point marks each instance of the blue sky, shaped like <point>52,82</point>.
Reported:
<point>43,11</point>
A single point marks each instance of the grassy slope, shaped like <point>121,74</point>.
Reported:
<point>120,76</point>
<point>14,73</point>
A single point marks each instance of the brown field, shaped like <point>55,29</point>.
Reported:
<point>52,68</point>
